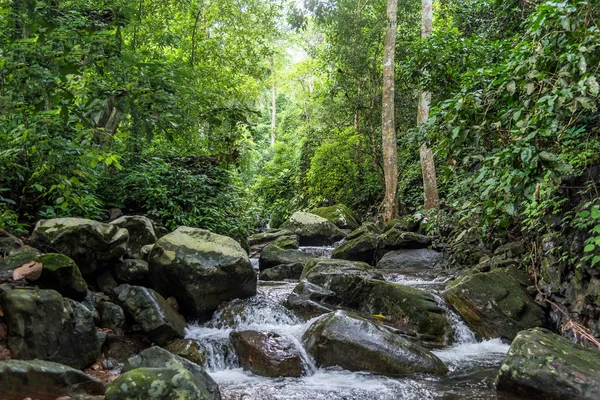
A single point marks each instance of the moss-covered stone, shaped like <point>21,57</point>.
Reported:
<point>91,244</point>
<point>362,248</point>
<point>188,349</point>
<point>201,269</point>
<point>17,257</point>
<point>340,215</point>
<point>397,239</point>
<point>157,384</point>
<point>60,273</point>
<point>111,316</point>
<point>541,364</point>
<point>357,344</point>
<point>281,272</point>
<point>412,259</point>
<point>38,379</point>
<point>141,232</point>
<point>284,250</point>
<point>365,228</point>
<point>132,271</point>
<point>494,304</point>
<point>44,325</point>
<point>268,236</point>
<point>312,229</point>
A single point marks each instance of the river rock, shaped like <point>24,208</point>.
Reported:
<point>154,315</point>
<point>17,257</point>
<point>158,384</point>
<point>201,270</point>
<point>111,317</point>
<point>362,248</point>
<point>188,349</point>
<point>281,272</point>
<point>407,223</point>
<point>397,239</point>
<point>132,271</point>
<point>366,228</point>
<point>141,232</point>
<point>267,354</point>
<point>268,236</point>
<point>91,244</point>
<point>44,380</point>
<point>156,357</point>
<point>412,259</point>
<point>495,304</point>
<point>44,325</point>
<point>541,364</point>
<point>284,250</point>
<point>310,300</point>
<point>121,348</point>
<point>312,229</point>
<point>357,344</point>
<point>60,273</point>
<point>340,215</point>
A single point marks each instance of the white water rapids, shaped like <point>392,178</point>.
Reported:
<point>472,364</point>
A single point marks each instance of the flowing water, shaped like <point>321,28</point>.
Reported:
<point>472,364</point>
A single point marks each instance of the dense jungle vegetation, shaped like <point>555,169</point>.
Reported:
<point>229,114</point>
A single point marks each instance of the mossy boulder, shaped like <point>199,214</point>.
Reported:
<point>313,230</point>
<point>151,312</point>
<point>356,344</point>
<point>284,250</point>
<point>8,243</point>
<point>132,271</point>
<point>362,248</point>
<point>409,223</point>
<point>60,273</point>
<point>91,244</point>
<point>267,354</point>
<point>281,272</point>
<point>201,270</point>
<point>365,228</point>
<point>543,365</point>
<point>157,384</point>
<point>398,239</point>
<point>340,215</point>
<point>156,357</point>
<point>495,304</point>
<point>141,232</point>
<point>268,236</point>
<point>44,380</point>
<point>188,349</point>
<point>412,260</point>
<point>310,300</point>
<point>44,325</point>
<point>17,257</point>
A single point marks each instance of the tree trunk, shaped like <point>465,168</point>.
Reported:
<point>388,126</point>
<point>273,104</point>
<point>427,161</point>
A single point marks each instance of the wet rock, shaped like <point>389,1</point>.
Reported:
<point>356,344</point>
<point>362,248</point>
<point>156,357</point>
<point>60,273</point>
<point>268,236</point>
<point>281,272</point>
<point>495,304</point>
<point>413,259</point>
<point>541,364</point>
<point>366,228</point>
<point>141,233</point>
<point>159,384</point>
<point>44,325</point>
<point>201,269</point>
<point>397,239</point>
<point>122,348</point>
<point>282,251</point>
<point>267,354</point>
<point>310,300</point>
<point>340,215</point>
<point>154,315</point>
<point>132,271</point>
<point>111,317</point>
<point>408,223</point>
<point>312,229</point>
<point>91,244</point>
<point>44,380</point>
<point>188,349</point>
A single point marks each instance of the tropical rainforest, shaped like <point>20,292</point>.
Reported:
<point>480,123</point>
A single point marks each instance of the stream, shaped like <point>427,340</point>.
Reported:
<point>473,365</point>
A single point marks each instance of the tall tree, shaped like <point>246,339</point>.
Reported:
<point>427,162</point>
<point>388,125</point>
<point>273,103</point>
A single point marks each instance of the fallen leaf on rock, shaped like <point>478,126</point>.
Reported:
<point>30,271</point>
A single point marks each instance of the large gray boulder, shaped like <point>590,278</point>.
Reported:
<point>44,325</point>
<point>357,344</point>
<point>91,244</point>
<point>132,271</point>
<point>495,304</point>
<point>541,364</point>
<point>362,248</point>
<point>154,315</point>
<point>412,259</point>
<point>201,270</point>
<point>340,215</point>
<point>267,353</point>
<point>141,232</point>
<point>366,228</point>
<point>397,239</point>
<point>281,272</point>
<point>312,229</point>
<point>37,379</point>
<point>156,357</point>
<point>60,273</point>
<point>284,250</point>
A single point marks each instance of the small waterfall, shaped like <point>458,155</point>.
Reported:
<point>462,333</point>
